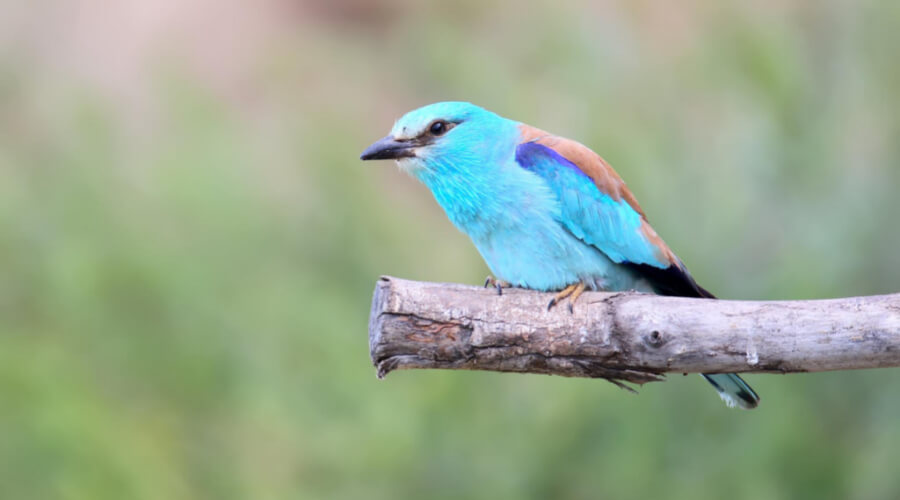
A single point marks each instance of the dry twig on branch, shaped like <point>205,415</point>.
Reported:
<point>624,336</point>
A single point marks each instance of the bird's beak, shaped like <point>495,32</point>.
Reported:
<point>389,149</point>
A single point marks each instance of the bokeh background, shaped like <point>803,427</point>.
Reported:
<point>188,243</point>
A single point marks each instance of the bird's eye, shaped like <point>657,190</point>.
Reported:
<point>438,127</point>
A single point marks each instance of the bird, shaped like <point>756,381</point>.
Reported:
<point>545,212</point>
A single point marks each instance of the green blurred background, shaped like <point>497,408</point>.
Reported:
<point>188,243</point>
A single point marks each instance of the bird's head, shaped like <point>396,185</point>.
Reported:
<point>445,138</point>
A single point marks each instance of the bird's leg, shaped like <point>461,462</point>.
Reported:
<point>579,289</point>
<point>498,284</point>
<point>565,292</point>
<point>572,291</point>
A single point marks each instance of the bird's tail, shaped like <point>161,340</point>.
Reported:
<point>733,390</point>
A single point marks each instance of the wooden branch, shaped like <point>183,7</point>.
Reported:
<point>624,336</point>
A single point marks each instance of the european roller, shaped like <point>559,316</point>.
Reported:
<point>545,212</point>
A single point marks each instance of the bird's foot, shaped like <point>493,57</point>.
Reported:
<point>572,292</point>
<point>498,284</point>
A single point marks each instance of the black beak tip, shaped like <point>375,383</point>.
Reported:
<point>388,149</point>
<point>366,154</point>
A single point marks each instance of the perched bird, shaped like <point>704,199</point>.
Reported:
<point>545,212</point>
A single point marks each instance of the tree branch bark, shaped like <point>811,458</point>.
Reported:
<point>625,336</point>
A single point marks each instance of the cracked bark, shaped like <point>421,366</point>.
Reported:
<point>624,337</point>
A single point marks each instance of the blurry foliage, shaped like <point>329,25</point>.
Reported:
<point>189,250</point>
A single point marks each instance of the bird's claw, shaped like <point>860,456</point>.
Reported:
<point>498,284</point>
<point>572,292</point>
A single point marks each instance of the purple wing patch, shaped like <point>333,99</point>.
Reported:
<point>535,157</point>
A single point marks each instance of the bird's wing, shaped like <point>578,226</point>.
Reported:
<point>597,208</point>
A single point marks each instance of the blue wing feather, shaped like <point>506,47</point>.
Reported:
<point>612,226</point>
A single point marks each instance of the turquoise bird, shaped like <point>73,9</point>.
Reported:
<point>545,212</point>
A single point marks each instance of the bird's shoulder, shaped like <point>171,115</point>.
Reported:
<point>626,239</point>
<point>590,163</point>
